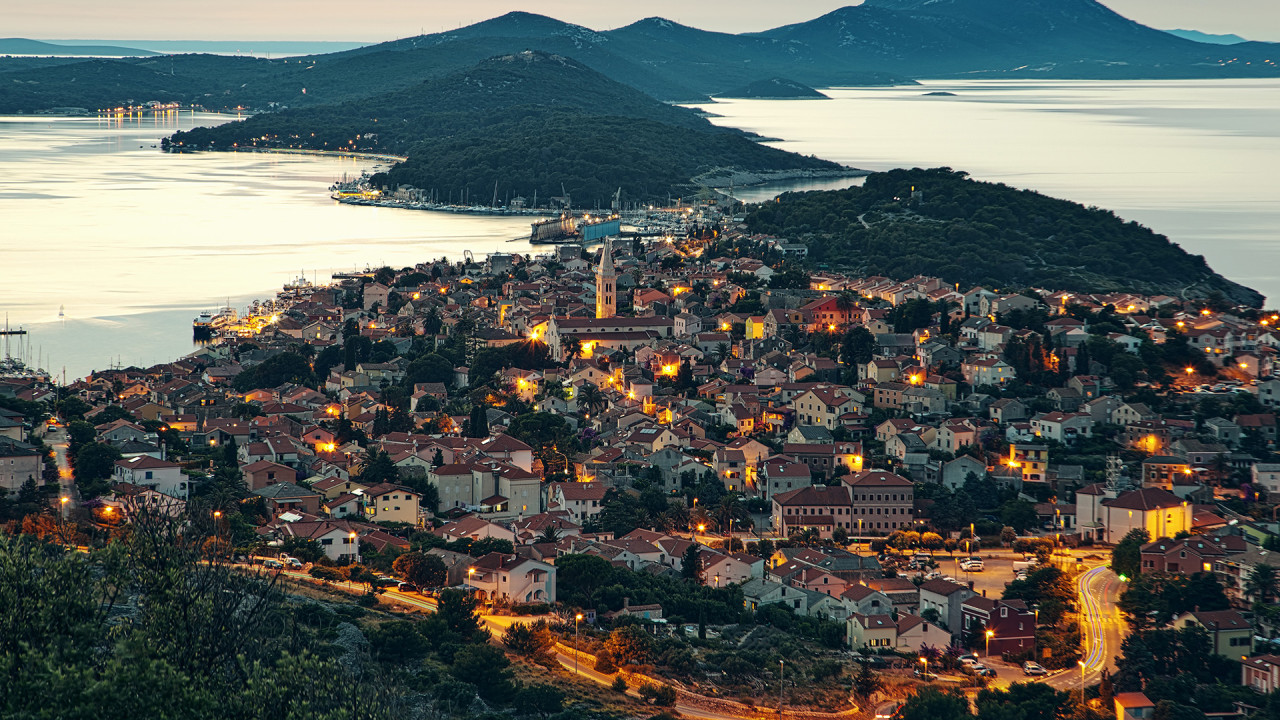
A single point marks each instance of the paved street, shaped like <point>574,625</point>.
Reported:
<point>1104,627</point>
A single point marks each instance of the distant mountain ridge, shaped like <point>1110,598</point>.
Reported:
<point>27,46</point>
<point>880,42</point>
<point>1197,36</point>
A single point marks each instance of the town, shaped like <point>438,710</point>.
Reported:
<point>699,474</point>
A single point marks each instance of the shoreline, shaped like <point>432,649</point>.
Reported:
<point>321,153</point>
<point>742,178</point>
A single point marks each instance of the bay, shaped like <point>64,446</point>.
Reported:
<point>133,242</point>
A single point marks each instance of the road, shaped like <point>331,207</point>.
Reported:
<point>498,626</point>
<point>56,438</point>
<point>1103,625</point>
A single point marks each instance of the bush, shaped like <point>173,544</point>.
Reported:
<point>367,600</point>
<point>540,698</point>
<point>660,695</point>
<point>604,664</point>
<point>619,684</point>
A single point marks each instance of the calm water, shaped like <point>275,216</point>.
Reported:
<point>1194,160</point>
<point>134,242</point>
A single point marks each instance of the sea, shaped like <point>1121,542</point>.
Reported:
<point>109,247</point>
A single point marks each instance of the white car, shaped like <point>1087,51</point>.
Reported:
<point>968,662</point>
<point>1030,668</point>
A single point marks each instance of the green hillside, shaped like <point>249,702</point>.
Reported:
<point>529,122</point>
<point>971,232</point>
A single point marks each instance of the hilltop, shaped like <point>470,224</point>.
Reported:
<point>972,232</point>
<point>529,122</point>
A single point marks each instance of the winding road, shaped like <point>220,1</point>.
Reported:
<point>1103,626</point>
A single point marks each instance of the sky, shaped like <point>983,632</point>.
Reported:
<point>389,19</point>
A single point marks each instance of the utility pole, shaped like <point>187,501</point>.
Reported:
<point>782,672</point>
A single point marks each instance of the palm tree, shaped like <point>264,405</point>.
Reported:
<point>723,352</point>
<point>591,398</point>
<point>1261,583</point>
<point>571,346</point>
<point>549,534</point>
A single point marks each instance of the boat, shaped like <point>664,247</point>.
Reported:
<point>207,325</point>
<point>202,326</point>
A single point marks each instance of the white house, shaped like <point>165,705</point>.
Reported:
<point>513,578</point>
<point>159,475</point>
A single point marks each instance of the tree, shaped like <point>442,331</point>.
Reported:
<point>592,399</point>
<point>477,422</point>
<point>1261,583</point>
<point>1023,701</point>
<point>628,645</point>
<point>691,564</point>
<point>457,610</point>
<point>1126,557</point>
<point>549,534</point>
<point>530,640</point>
<point>867,682</point>
<point>486,667</point>
<point>421,569</point>
<point>378,468</point>
<point>432,367</point>
<point>930,703</point>
<point>1019,514</point>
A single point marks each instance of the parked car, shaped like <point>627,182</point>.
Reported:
<point>1031,668</point>
<point>292,562</point>
<point>407,587</point>
<point>968,662</point>
<point>273,564</point>
<point>926,676</point>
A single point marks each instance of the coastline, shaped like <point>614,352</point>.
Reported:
<point>329,153</point>
<point>725,177</point>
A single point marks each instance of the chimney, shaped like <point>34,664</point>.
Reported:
<point>626,603</point>
<point>984,593</point>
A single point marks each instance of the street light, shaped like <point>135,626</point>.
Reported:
<point>64,501</point>
<point>1081,664</point>
<point>702,529</point>
<point>990,634</point>
<point>576,619</point>
<point>925,660</point>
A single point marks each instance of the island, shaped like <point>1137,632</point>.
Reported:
<point>774,89</point>
<point>525,125</point>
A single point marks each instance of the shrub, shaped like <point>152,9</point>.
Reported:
<point>604,664</point>
<point>619,684</point>
<point>660,695</point>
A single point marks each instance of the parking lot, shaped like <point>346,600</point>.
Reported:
<point>997,572</point>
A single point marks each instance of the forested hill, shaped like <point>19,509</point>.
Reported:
<point>971,232</point>
<point>529,122</point>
